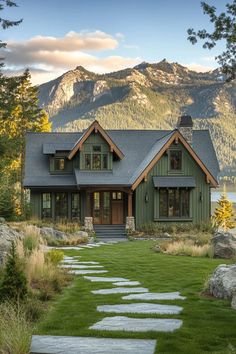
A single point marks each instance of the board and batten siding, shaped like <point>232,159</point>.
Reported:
<point>147,197</point>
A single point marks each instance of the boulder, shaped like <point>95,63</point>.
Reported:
<point>50,232</point>
<point>81,233</point>
<point>224,245</point>
<point>233,303</point>
<point>2,220</point>
<point>7,235</point>
<point>222,283</point>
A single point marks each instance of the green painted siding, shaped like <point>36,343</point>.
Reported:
<point>148,210</point>
<point>87,148</point>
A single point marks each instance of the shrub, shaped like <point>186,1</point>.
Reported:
<point>33,309</point>
<point>187,248</point>
<point>14,283</point>
<point>55,256</point>
<point>15,330</point>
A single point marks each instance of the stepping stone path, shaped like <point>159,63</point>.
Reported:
<point>93,345</point>
<point>89,345</point>
<point>127,324</point>
<point>154,296</point>
<point>119,291</point>
<point>141,308</point>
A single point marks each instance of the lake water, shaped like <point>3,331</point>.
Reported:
<point>215,196</point>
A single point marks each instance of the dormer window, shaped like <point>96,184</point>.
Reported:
<point>175,160</point>
<point>59,164</point>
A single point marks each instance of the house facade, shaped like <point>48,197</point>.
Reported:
<point>117,177</point>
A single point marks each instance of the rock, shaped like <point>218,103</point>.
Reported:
<point>2,220</point>
<point>7,235</point>
<point>233,303</point>
<point>50,232</point>
<point>166,235</point>
<point>224,245</point>
<point>222,283</point>
<point>81,233</point>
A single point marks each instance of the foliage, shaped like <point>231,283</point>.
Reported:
<point>186,248</point>
<point>224,30</point>
<point>55,256</point>
<point>223,214</point>
<point>15,329</point>
<point>14,283</point>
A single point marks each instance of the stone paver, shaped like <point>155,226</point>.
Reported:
<point>80,266</point>
<point>122,323</point>
<point>141,308</point>
<point>89,345</point>
<point>86,271</point>
<point>126,283</point>
<point>91,262</point>
<point>106,279</point>
<point>154,296</point>
<point>119,291</point>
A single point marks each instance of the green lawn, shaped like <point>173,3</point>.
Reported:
<point>209,325</point>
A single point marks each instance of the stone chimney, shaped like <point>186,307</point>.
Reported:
<point>185,127</point>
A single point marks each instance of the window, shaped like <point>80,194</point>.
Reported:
<point>61,205</point>
<point>105,162</point>
<point>75,205</point>
<point>97,148</point>
<point>96,162</point>
<point>174,203</point>
<point>117,195</point>
<point>87,164</point>
<point>46,205</point>
<point>176,160</point>
<point>59,164</point>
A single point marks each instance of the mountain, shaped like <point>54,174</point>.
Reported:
<point>145,97</point>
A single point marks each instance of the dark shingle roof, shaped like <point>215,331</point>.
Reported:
<point>138,146</point>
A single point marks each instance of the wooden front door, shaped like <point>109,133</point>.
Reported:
<point>117,208</point>
<point>101,205</point>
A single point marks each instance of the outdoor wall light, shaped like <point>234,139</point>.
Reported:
<point>146,198</point>
<point>200,196</point>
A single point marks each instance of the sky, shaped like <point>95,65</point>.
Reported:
<point>104,35</point>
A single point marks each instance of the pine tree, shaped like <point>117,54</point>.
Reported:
<point>223,214</point>
<point>14,283</point>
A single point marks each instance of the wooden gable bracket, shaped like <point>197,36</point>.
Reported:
<point>177,135</point>
<point>95,127</point>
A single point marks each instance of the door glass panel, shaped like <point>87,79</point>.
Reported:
<point>96,207</point>
<point>106,207</point>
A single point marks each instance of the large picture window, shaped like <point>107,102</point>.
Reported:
<point>46,205</point>
<point>96,160</point>
<point>174,203</point>
<point>175,160</point>
<point>61,205</point>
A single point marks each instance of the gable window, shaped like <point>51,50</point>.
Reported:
<point>174,203</point>
<point>46,205</point>
<point>59,164</point>
<point>175,160</point>
<point>96,160</point>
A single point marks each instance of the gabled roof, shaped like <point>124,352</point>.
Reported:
<point>95,126</point>
<point>140,148</point>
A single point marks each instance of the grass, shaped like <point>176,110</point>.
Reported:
<point>208,323</point>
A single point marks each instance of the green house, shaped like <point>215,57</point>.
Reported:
<point>122,177</point>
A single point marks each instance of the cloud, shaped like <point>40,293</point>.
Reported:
<point>51,56</point>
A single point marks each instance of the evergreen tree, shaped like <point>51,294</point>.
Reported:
<point>224,30</point>
<point>223,214</point>
<point>14,283</point>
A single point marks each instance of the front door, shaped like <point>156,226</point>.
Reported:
<point>117,208</point>
<point>101,208</point>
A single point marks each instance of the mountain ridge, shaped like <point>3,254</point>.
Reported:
<point>147,96</point>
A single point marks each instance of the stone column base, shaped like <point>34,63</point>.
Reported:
<point>88,223</point>
<point>130,223</point>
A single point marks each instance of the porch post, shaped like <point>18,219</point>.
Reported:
<point>130,222</point>
<point>88,219</point>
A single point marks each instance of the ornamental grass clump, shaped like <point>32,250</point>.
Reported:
<point>15,329</point>
<point>187,248</point>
